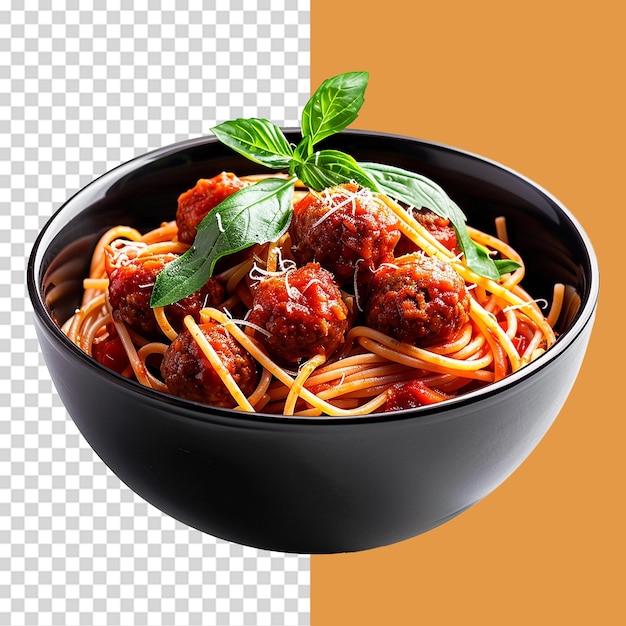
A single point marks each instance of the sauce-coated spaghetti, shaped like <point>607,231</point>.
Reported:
<point>362,306</point>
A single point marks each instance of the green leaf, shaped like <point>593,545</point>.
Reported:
<point>334,105</point>
<point>506,265</point>
<point>257,139</point>
<point>419,191</point>
<point>477,257</point>
<point>255,214</point>
<point>326,168</point>
<point>414,190</point>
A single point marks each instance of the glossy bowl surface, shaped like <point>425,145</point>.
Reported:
<point>313,485</point>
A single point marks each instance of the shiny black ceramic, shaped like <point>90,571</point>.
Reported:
<point>313,485</point>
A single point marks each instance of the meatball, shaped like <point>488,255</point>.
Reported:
<point>439,227</point>
<point>346,229</point>
<point>194,204</point>
<point>421,301</point>
<point>302,311</point>
<point>130,290</point>
<point>188,373</point>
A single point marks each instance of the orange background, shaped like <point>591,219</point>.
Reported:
<point>538,86</point>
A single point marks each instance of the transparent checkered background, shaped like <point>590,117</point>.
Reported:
<point>85,86</point>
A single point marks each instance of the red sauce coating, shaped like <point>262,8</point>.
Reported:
<point>421,301</point>
<point>342,228</point>
<point>130,290</point>
<point>439,227</point>
<point>110,352</point>
<point>303,312</point>
<point>188,374</point>
<point>411,395</point>
<point>194,204</point>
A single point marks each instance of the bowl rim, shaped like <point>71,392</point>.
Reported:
<point>203,412</point>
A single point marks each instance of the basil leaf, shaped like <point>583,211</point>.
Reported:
<point>257,139</point>
<point>255,214</point>
<point>477,257</point>
<point>326,168</point>
<point>334,105</point>
<point>506,265</point>
<point>413,189</point>
<point>419,191</point>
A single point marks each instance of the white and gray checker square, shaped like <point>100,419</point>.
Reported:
<point>85,86</point>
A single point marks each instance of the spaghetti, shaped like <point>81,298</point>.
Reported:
<point>499,327</point>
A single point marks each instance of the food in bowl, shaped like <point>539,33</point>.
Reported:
<point>331,287</point>
<point>276,331</point>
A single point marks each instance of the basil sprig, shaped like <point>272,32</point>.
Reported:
<point>333,106</point>
<point>262,212</point>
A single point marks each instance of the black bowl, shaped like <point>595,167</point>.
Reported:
<point>313,485</point>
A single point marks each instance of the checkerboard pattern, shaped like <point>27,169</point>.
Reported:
<point>84,87</point>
